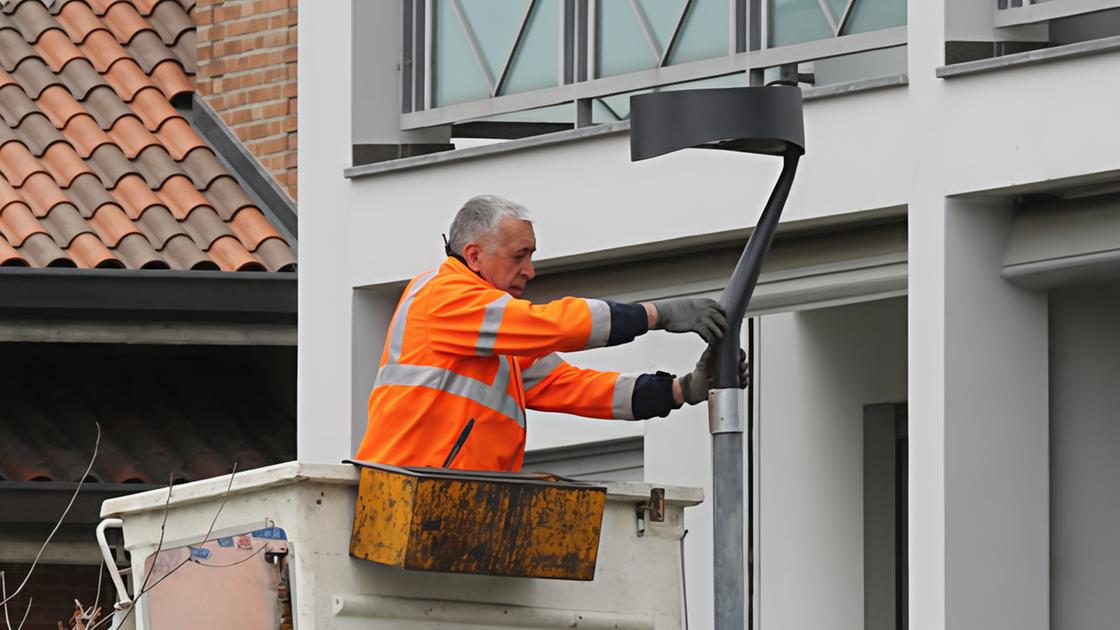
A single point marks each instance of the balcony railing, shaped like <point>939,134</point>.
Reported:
<point>1020,12</point>
<point>478,59</point>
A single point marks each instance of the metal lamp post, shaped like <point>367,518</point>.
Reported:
<point>768,121</point>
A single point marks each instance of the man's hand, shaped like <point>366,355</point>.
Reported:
<point>702,316</point>
<point>695,385</point>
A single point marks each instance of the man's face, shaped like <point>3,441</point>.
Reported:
<point>504,259</point>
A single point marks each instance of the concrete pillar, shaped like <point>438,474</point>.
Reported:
<point>978,431</point>
<point>996,434</point>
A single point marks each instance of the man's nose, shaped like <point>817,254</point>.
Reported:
<point>528,270</point>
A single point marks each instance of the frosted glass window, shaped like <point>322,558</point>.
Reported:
<point>703,34</point>
<point>456,78</point>
<point>536,64</point>
<point>620,45</point>
<point>872,15</point>
<point>495,26</point>
<point>796,21</point>
<point>662,16</point>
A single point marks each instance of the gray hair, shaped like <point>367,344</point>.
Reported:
<point>479,217</point>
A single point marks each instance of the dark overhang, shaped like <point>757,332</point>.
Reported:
<point>148,294</point>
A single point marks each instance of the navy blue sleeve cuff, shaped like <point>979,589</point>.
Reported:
<point>653,396</point>
<point>627,322</point>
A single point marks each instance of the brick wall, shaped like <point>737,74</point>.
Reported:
<point>247,73</point>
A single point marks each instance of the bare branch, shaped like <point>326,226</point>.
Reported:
<point>30,600</point>
<point>74,497</point>
<point>221,506</point>
<point>145,588</point>
<point>4,596</point>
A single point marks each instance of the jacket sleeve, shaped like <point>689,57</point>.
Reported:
<point>552,384</point>
<point>484,322</point>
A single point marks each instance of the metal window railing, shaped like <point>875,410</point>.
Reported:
<point>1020,12</point>
<point>458,66</point>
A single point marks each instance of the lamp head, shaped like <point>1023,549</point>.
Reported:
<point>764,120</point>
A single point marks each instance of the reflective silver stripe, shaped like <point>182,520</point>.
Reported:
<point>396,334</point>
<point>491,322</point>
<point>600,323</point>
<point>622,408</point>
<point>539,370</point>
<point>495,397</point>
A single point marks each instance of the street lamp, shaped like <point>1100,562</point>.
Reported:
<point>763,120</point>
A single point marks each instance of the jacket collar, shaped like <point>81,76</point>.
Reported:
<point>455,265</point>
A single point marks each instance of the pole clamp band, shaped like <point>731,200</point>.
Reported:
<point>724,414</point>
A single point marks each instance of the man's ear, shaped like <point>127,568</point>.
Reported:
<point>471,253</point>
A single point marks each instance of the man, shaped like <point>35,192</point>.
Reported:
<point>465,355</point>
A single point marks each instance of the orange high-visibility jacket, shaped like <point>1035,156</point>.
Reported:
<point>460,349</point>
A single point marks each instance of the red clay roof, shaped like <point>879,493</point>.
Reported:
<point>188,411</point>
<point>97,168</point>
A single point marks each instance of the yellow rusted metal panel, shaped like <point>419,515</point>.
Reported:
<point>382,516</point>
<point>493,524</point>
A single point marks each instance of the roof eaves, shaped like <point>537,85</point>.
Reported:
<point>170,293</point>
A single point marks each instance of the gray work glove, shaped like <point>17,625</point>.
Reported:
<point>695,385</point>
<point>702,316</point>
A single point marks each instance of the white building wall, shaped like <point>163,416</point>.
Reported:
<point>1084,441</point>
<point>818,369</point>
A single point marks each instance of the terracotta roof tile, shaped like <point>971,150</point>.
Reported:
<point>102,49</point>
<point>13,48</point>
<point>6,79</point>
<point>38,133</point>
<point>89,194</point>
<point>153,108</point>
<point>55,46</point>
<point>8,195</point>
<point>90,253</point>
<point>57,103</point>
<point>185,51</point>
<point>14,105</point>
<point>138,253</point>
<point>98,168</point>
<point>32,19</point>
<point>127,78</point>
<point>276,254</point>
<point>159,226</point>
<point>17,163</point>
<point>42,194</point>
<point>132,136</point>
<point>205,227</point>
<point>78,21</point>
<point>9,257</point>
<point>17,223</point>
<point>112,225</point>
<point>181,197</point>
<point>149,50</point>
<point>110,164</point>
<point>85,135</point>
<point>179,138</point>
<point>171,79</point>
<point>231,255</point>
<point>105,106</point>
<point>64,163</point>
<point>182,252</point>
<point>125,22</point>
<point>65,224</point>
<point>135,195</point>
<point>41,251</point>
<point>227,196</point>
<point>80,77</point>
<point>252,228</point>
